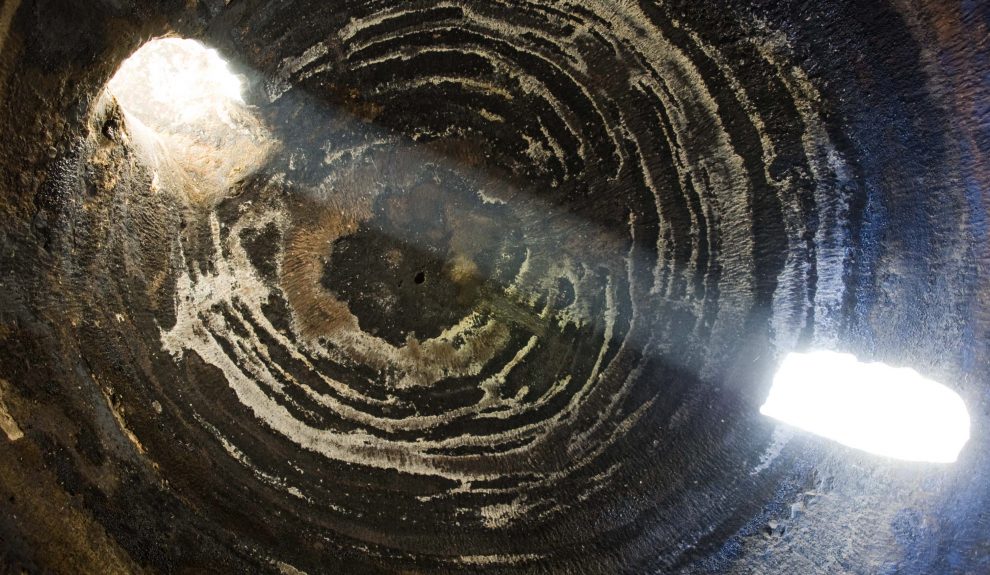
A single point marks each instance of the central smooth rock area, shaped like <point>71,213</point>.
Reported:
<point>425,258</point>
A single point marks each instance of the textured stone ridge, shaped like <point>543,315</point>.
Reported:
<point>501,288</point>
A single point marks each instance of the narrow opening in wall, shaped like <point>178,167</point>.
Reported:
<point>885,410</point>
<point>181,98</point>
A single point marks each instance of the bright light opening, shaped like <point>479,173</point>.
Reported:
<point>184,105</point>
<point>888,411</point>
<point>175,80</point>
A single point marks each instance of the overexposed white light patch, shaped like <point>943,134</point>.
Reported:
<point>889,411</point>
<point>184,109</point>
<point>176,79</point>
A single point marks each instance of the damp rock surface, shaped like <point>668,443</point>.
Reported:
<point>492,287</point>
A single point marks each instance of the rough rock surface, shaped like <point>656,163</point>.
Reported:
<point>504,294</point>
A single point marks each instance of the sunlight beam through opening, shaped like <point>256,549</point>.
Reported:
<point>177,79</point>
<point>185,107</point>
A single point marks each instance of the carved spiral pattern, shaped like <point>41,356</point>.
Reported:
<point>499,244</point>
<point>505,294</point>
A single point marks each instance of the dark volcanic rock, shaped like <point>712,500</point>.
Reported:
<point>487,286</point>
